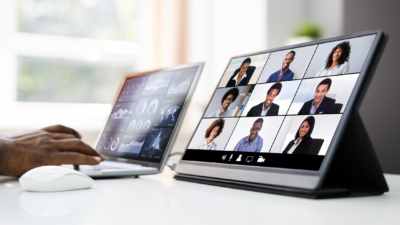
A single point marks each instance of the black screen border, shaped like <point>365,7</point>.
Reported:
<point>353,105</point>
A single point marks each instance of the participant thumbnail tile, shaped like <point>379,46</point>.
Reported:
<point>287,65</point>
<point>254,134</point>
<point>271,99</point>
<point>213,134</point>
<point>308,135</point>
<point>340,57</point>
<point>325,95</point>
<point>229,102</point>
<point>244,70</point>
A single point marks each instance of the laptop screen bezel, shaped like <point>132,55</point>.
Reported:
<point>158,165</point>
<point>291,177</point>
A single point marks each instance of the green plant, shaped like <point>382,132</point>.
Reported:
<point>309,29</point>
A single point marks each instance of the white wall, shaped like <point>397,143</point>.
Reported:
<point>285,15</point>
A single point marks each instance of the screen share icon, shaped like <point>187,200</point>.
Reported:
<point>249,158</point>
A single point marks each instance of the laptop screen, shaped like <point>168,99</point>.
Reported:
<point>145,114</point>
<point>280,109</point>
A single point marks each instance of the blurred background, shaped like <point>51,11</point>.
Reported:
<point>62,61</point>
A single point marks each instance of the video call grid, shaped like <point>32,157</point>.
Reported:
<point>168,129</point>
<point>294,96</point>
<point>284,116</point>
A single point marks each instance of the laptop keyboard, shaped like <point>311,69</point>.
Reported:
<point>105,166</point>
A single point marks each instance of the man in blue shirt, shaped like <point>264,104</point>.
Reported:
<point>253,142</point>
<point>284,73</point>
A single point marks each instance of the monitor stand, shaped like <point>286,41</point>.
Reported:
<point>354,171</point>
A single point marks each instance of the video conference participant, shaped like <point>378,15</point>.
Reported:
<point>229,97</point>
<point>253,142</point>
<point>302,142</point>
<point>321,104</point>
<point>284,73</point>
<point>267,108</point>
<point>242,75</point>
<point>337,61</point>
<point>212,132</point>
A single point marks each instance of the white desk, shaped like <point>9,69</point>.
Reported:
<point>159,199</point>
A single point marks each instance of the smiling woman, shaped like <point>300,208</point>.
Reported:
<point>212,132</point>
<point>302,142</point>
<point>337,61</point>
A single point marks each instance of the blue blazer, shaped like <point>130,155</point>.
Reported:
<point>245,81</point>
<point>288,75</point>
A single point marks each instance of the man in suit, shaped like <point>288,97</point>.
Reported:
<point>267,108</point>
<point>285,73</point>
<point>320,104</point>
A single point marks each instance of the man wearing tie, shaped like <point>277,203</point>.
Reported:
<point>285,73</point>
<point>267,107</point>
<point>320,104</point>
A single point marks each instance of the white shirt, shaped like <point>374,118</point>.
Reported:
<point>265,111</point>
<point>294,146</point>
<point>337,70</point>
<point>205,146</point>
<point>218,113</point>
<point>235,78</point>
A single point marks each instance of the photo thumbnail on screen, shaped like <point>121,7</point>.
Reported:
<point>229,102</point>
<point>287,65</point>
<point>271,99</point>
<point>243,71</point>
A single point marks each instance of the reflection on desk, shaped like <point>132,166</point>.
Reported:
<point>159,199</point>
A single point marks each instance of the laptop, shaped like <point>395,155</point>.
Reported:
<point>144,122</point>
<point>288,116</point>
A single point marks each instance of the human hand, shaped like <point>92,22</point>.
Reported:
<point>54,145</point>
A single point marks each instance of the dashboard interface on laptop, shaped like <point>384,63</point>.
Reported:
<point>280,109</point>
<point>145,114</point>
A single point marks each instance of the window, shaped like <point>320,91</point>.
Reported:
<point>67,50</point>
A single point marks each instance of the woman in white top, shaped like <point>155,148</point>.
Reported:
<point>212,132</point>
<point>302,142</point>
<point>337,61</point>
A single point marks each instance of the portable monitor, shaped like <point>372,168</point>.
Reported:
<point>277,118</point>
<point>144,121</point>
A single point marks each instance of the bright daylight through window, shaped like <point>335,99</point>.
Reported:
<point>73,51</point>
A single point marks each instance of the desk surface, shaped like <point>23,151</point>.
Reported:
<point>159,199</point>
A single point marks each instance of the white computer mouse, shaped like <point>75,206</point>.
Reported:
<point>54,178</point>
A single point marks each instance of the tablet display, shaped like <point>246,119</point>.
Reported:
<point>280,109</point>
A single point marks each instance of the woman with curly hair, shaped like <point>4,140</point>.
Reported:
<point>229,97</point>
<point>337,61</point>
<point>212,132</point>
